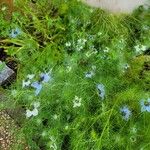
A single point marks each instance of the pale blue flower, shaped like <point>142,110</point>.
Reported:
<point>145,105</point>
<point>126,113</point>
<point>101,90</point>
<point>89,74</point>
<point>45,77</point>
<point>37,86</point>
<point>15,32</point>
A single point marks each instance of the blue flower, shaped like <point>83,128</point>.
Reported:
<point>37,86</point>
<point>45,77</point>
<point>15,32</point>
<point>126,113</point>
<point>101,90</point>
<point>145,105</point>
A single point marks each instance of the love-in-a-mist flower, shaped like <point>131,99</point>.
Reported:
<point>33,112</point>
<point>101,90</point>
<point>126,113</point>
<point>45,77</point>
<point>26,83</point>
<point>30,113</point>
<point>77,102</point>
<point>68,69</point>
<point>140,48</point>
<point>80,44</point>
<point>126,66</point>
<point>145,105</point>
<point>15,32</point>
<point>37,86</point>
<point>68,44</point>
<point>89,74</point>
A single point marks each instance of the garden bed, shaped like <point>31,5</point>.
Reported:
<point>82,77</point>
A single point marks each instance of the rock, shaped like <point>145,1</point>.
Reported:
<point>117,6</point>
<point>5,73</point>
<point>8,132</point>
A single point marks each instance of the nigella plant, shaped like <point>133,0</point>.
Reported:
<point>45,77</point>
<point>145,105</point>
<point>15,32</point>
<point>101,90</point>
<point>37,86</point>
<point>126,113</point>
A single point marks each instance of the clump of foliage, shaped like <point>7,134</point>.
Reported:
<point>83,75</point>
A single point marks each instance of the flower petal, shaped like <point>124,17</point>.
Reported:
<point>35,112</point>
<point>28,113</point>
<point>45,77</point>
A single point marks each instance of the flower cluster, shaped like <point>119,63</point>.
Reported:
<point>80,44</point>
<point>33,112</point>
<point>37,85</point>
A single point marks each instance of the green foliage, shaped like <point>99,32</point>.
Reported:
<point>70,40</point>
<point>2,66</point>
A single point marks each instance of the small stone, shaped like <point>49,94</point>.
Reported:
<point>5,74</point>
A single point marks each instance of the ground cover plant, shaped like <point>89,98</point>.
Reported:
<point>82,76</point>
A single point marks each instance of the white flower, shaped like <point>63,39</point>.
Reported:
<point>25,83</point>
<point>30,76</point>
<point>30,113</point>
<point>89,74</point>
<point>101,90</point>
<point>69,68</point>
<point>68,44</point>
<point>77,102</point>
<point>33,112</point>
<point>81,44</point>
<point>143,47</point>
<point>106,50</point>
<point>126,66</point>
<point>140,48</point>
